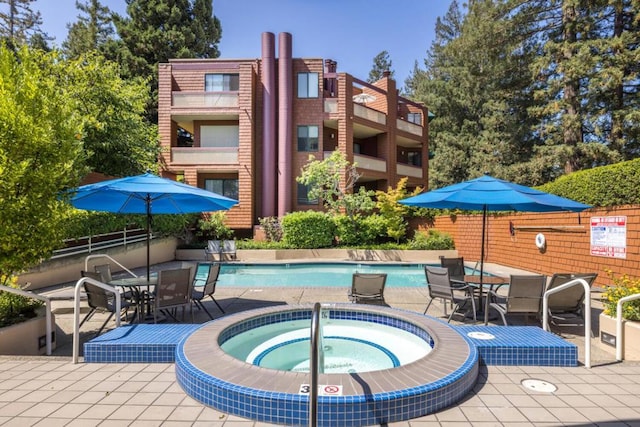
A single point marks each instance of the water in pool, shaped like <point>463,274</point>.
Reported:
<point>348,346</point>
<point>315,274</point>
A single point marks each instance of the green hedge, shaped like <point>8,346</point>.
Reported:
<point>611,185</point>
<point>308,230</point>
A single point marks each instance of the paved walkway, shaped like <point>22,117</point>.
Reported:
<point>51,391</point>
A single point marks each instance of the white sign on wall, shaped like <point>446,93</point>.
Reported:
<point>609,236</point>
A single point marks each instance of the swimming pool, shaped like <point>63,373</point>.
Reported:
<point>334,274</point>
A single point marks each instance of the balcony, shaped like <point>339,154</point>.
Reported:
<point>204,99</point>
<point>369,114</point>
<point>204,155</point>
<point>409,127</point>
<point>408,170</point>
<point>371,163</point>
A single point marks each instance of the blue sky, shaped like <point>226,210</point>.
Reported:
<point>351,32</point>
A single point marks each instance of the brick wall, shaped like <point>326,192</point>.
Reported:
<point>567,236</point>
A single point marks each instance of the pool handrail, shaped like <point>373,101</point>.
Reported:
<point>76,311</point>
<point>619,334</point>
<point>587,313</point>
<point>314,365</point>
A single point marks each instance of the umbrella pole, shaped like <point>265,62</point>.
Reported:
<point>148,203</point>
<point>484,228</point>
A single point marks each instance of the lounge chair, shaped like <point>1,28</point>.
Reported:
<point>218,250</point>
<point>173,291</point>
<point>524,297</point>
<point>200,292</point>
<point>102,300</point>
<point>441,286</point>
<point>566,308</point>
<point>368,288</point>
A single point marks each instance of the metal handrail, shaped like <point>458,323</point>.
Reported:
<point>314,367</point>
<point>47,302</point>
<point>587,315</point>
<point>619,334</point>
<point>76,311</point>
<point>92,246</point>
<point>86,263</point>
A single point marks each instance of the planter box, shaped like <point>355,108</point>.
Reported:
<point>27,338</point>
<point>631,331</point>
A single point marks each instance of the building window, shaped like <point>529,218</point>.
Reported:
<point>303,196</point>
<point>225,187</point>
<point>307,85</point>
<point>415,118</point>
<point>220,136</point>
<point>307,138</point>
<point>221,82</point>
<point>414,158</point>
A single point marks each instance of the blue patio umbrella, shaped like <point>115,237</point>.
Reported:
<point>492,194</point>
<point>147,194</point>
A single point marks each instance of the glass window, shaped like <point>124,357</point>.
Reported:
<point>415,118</point>
<point>307,138</point>
<point>307,85</point>
<point>303,196</point>
<point>225,187</point>
<point>221,82</point>
<point>414,158</point>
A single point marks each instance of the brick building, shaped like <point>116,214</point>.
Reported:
<point>254,123</point>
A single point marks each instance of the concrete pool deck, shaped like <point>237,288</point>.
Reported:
<point>52,391</point>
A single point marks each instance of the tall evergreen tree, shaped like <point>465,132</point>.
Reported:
<point>381,63</point>
<point>19,22</point>
<point>91,31</point>
<point>157,30</point>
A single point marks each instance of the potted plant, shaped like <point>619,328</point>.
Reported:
<point>22,323</point>
<point>622,286</point>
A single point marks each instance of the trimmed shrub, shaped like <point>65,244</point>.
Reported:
<point>308,230</point>
<point>433,240</point>
<point>359,230</point>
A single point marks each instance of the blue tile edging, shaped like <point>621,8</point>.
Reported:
<point>521,345</point>
<point>140,343</point>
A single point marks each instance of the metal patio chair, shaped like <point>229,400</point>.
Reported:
<point>198,293</point>
<point>524,297</point>
<point>368,288</point>
<point>441,286</point>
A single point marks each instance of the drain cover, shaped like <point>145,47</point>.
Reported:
<point>539,385</point>
<point>481,335</point>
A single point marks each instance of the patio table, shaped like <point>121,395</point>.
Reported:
<point>474,281</point>
<point>135,284</point>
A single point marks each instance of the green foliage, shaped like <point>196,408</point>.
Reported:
<point>40,156</point>
<point>117,138</point>
<point>360,230</point>
<point>15,308</point>
<point>611,185</point>
<point>256,244</point>
<point>623,286</point>
<point>308,230</point>
<point>272,228</point>
<point>433,240</point>
<point>333,180</point>
<point>213,227</point>
<point>393,212</point>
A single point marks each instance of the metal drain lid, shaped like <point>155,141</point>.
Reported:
<point>481,335</point>
<point>539,385</point>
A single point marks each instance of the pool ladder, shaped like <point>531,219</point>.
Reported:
<point>316,363</point>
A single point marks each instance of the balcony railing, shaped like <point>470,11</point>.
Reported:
<point>205,99</point>
<point>409,127</point>
<point>369,114</point>
<point>371,163</point>
<point>331,105</point>
<point>408,170</point>
<point>204,155</point>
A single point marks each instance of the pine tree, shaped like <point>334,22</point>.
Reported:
<point>91,31</point>
<point>18,22</point>
<point>381,63</point>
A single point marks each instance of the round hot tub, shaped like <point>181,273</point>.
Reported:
<point>380,365</point>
